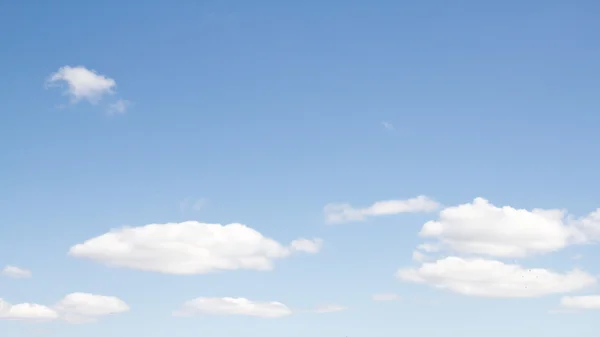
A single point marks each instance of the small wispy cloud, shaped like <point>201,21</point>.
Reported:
<point>119,107</point>
<point>342,212</point>
<point>388,126</point>
<point>16,272</point>
<point>190,204</point>
<point>327,308</point>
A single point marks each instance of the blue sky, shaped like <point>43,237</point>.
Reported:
<point>268,111</point>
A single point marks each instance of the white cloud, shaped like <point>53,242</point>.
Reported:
<point>580,302</point>
<point>189,248</point>
<point>308,246</point>
<point>85,308</point>
<point>327,308</point>
<point>26,311</point>
<point>233,306</point>
<point>588,227</point>
<point>386,297</point>
<point>490,278</point>
<point>73,308</point>
<point>484,229</point>
<point>340,213</point>
<point>119,107</point>
<point>82,83</point>
<point>16,272</point>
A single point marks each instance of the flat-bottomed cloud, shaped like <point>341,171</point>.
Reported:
<point>484,229</point>
<point>73,308</point>
<point>581,302</point>
<point>491,278</point>
<point>233,306</point>
<point>189,248</point>
<point>16,272</point>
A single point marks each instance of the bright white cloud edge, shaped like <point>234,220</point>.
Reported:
<point>190,247</point>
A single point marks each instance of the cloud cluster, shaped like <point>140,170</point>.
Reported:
<point>480,235</point>
<point>336,213</point>
<point>73,308</point>
<point>189,248</point>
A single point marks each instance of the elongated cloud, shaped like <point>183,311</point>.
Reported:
<point>73,308</point>
<point>489,278</point>
<point>233,306</point>
<point>189,248</point>
<point>16,272</point>
<point>340,213</point>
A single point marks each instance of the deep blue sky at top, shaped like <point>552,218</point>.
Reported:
<point>271,109</point>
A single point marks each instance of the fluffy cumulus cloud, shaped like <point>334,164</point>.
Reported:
<point>16,272</point>
<point>85,84</point>
<point>82,83</point>
<point>386,297</point>
<point>26,311</point>
<point>491,278</point>
<point>73,308</point>
<point>340,213</point>
<point>481,228</point>
<point>580,302</point>
<point>189,248</point>
<point>233,306</point>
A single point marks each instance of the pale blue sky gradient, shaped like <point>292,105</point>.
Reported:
<point>271,109</point>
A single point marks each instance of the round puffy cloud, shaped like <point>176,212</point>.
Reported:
<point>233,306</point>
<point>484,229</point>
<point>189,248</point>
<point>490,278</point>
